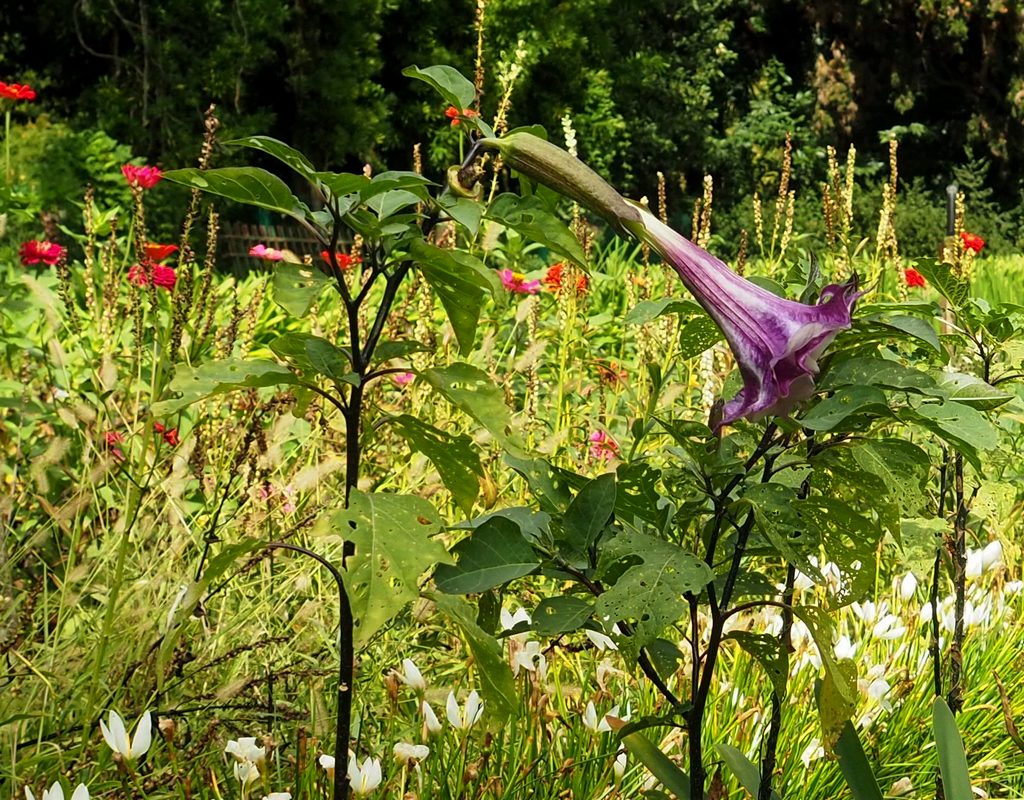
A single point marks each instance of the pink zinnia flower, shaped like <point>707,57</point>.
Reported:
<point>266,253</point>
<point>143,177</point>
<point>516,282</point>
<point>164,277</point>
<point>34,252</point>
<point>603,446</point>
<point>17,91</point>
<point>403,378</point>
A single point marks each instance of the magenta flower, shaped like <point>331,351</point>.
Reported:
<point>144,177</point>
<point>776,341</point>
<point>602,446</point>
<point>516,282</point>
<point>266,253</point>
<point>403,378</point>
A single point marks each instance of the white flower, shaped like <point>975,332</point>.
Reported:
<point>888,627</point>
<point>430,720</point>
<point>802,582</point>
<point>327,762</point>
<point>600,640</point>
<point>1013,587</point>
<point>908,586</point>
<point>605,670</point>
<point>992,555</point>
<point>509,621</point>
<point>364,779</point>
<point>245,749</point>
<point>56,792</point>
<point>278,796</point>
<point>866,612</point>
<point>406,752</point>
<point>246,772</point>
<point>878,688</point>
<point>901,787</point>
<point>466,717</point>
<point>926,613</point>
<point>812,752</point>
<point>116,736</point>
<point>411,676</point>
<point>619,766</point>
<point>844,648</point>
<point>595,725</point>
<point>531,658</point>
<point>975,564</point>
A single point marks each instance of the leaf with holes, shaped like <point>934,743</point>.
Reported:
<point>473,391</point>
<point>790,534</point>
<point>963,427</point>
<point>219,377</point>
<point>393,549</point>
<point>649,594</point>
<point>297,286</point>
<point>850,541</point>
<point>770,653</point>
<point>313,354</point>
<point>834,707</point>
<point>494,554</point>
<point>453,455</point>
<point>819,623</point>
<point>550,487</point>
<point>556,615</point>
<point>697,334</point>
<point>846,409</point>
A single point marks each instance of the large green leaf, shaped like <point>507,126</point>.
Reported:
<point>313,354</point>
<point>549,485</point>
<point>531,217</point>
<point>556,615</point>
<point>835,707</point>
<point>819,623</point>
<point>460,281</point>
<point>649,594</point>
<point>697,334</point>
<point>448,82</point>
<point>647,310</point>
<point>393,549</point>
<point>494,554</point>
<point>790,533</point>
<point>453,456</point>
<point>837,408</point>
<point>473,391</point>
<point>770,653</point>
<point>853,763</point>
<point>963,427</point>
<point>956,779</point>
<point>496,682</point>
<point>249,185</point>
<point>218,377</point>
<point>660,765</point>
<point>850,542</point>
<point>296,286</point>
<point>866,371</point>
<point>941,276</point>
<point>282,152</point>
<point>589,512</point>
<point>971,390</point>
<point>744,769</point>
<point>901,465</point>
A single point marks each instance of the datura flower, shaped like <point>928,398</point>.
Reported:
<point>116,736</point>
<point>776,341</point>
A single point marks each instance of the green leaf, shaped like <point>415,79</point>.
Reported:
<point>648,310</point>
<point>473,391</point>
<point>249,185</point>
<point>956,779</point>
<point>464,211</point>
<point>398,348</point>
<point>530,217</point>
<point>556,615</point>
<point>834,706</point>
<point>659,764</point>
<point>343,183</point>
<point>770,653</point>
<point>697,334</point>
<point>971,391</point>
<point>453,456</point>
<point>496,682</point>
<point>297,286</point>
<point>448,82</point>
<point>847,402</point>
<point>282,152</point>
<point>393,180</point>
<point>877,372</point>
<point>792,534</point>
<point>914,327</point>
<point>921,539</point>
<point>851,542</point>
<point>393,548</point>
<point>494,554</point>
<point>460,281</point>
<point>902,466</point>
<point>549,486</point>
<point>819,623</point>
<point>744,769</point>
<point>940,275</point>
<point>650,594</point>
<point>219,377</point>
<point>964,428</point>
<point>589,512</point>
<point>314,354</point>
<point>853,763</point>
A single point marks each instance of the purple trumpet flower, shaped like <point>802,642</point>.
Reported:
<point>776,341</point>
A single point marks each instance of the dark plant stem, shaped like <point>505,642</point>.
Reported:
<point>771,744</point>
<point>958,556</point>
<point>346,662</point>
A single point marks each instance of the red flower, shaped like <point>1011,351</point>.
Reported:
<point>170,434</point>
<point>582,285</point>
<point>112,439</point>
<point>158,252</point>
<point>164,277</point>
<point>33,251</point>
<point>344,260</point>
<point>553,277</point>
<point>914,278</point>
<point>17,91</point>
<point>143,177</point>
<point>455,115</point>
<point>972,241</point>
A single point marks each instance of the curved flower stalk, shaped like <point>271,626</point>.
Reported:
<point>776,341</point>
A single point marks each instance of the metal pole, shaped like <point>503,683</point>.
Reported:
<point>951,192</point>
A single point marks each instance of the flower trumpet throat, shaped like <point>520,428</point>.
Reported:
<point>776,341</point>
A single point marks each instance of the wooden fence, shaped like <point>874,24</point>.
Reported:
<point>235,240</point>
